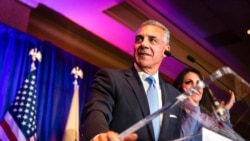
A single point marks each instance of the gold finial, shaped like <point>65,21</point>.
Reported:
<point>36,55</point>
<point>77,73</point>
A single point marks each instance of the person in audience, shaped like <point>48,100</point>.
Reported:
<point>200,102</point>
<point>120,97</point>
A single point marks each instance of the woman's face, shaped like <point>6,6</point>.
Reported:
<point>190,80</point>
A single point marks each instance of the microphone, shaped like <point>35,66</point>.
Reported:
<point>169,54</point>
<point>192,59</point>
<point>216,104</point>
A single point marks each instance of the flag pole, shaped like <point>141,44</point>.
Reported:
<point>71,132</point>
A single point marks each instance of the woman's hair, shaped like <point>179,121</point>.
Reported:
<point>205,102</point>
<point>179,79</point>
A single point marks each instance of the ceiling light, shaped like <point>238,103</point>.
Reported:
<point>248,31</point>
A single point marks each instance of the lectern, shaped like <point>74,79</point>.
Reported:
<point>208,135</point>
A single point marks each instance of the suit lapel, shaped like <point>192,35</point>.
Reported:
<point>165,100</point>
<point>137,86</point>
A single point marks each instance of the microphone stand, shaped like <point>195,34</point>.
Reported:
<point>193,60</point>
<point>218,110</point>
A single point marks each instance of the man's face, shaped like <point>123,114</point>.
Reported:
<point>149,47</point>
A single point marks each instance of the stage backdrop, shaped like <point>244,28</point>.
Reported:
<point>54,80</point>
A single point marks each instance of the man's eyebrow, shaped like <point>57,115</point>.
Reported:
<point>152,36</point>
<point>139,35</point>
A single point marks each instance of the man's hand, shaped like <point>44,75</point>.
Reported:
<point>113,136</point>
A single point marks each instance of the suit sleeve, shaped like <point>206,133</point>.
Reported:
<point>97,112</point>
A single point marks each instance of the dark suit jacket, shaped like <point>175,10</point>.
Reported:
<point>118,101</point>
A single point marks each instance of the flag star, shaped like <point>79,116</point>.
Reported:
<point>24,92</point>
<point>14,109</point>
<point>21,103</point>
<point>32,82</point>
<point>26,81</point>
<point>28,105</point>
<point>20,109</point>
<point>28,131</point>
<point>25,86</point>
<point>16,103</point>
<point>23,98</point>
<point>25,116</point>
<point>26,111</point>
<point>23,123</point>
<point>19,116</point>
<point>31,88</point>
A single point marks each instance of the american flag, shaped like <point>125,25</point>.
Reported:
<point>19,123</point>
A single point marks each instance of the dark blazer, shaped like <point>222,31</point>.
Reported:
<point>118,101</point>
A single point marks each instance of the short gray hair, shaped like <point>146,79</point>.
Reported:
<point>166,37</point>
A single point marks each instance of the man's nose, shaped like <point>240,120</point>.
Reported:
<point>145,43</point>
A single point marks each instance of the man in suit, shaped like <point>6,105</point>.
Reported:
<point>119,97</point>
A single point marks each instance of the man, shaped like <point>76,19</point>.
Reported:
<point>119,97</point>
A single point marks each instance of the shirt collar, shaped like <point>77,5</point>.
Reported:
<point>144,75</point>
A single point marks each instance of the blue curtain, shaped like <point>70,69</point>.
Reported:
<point>54,79</point>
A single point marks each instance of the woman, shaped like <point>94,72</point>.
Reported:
<point>198,103</point>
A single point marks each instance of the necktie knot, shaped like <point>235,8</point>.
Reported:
<point>150,80</point>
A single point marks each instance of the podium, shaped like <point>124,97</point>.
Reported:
<point>218,129</point>
<point>208,135</point>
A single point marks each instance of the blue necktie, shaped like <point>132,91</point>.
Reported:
<point>153,104</point>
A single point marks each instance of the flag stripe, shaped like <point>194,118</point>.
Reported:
<point>8,131</point>
<point>33,138</point>
<point>3,136</point>
<point>14,127</point>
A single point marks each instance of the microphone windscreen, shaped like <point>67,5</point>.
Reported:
<point>190,58</point>
<point>167,53</point>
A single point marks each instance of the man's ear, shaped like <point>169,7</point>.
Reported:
<point>167,51</point>
<point>168,48</point>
